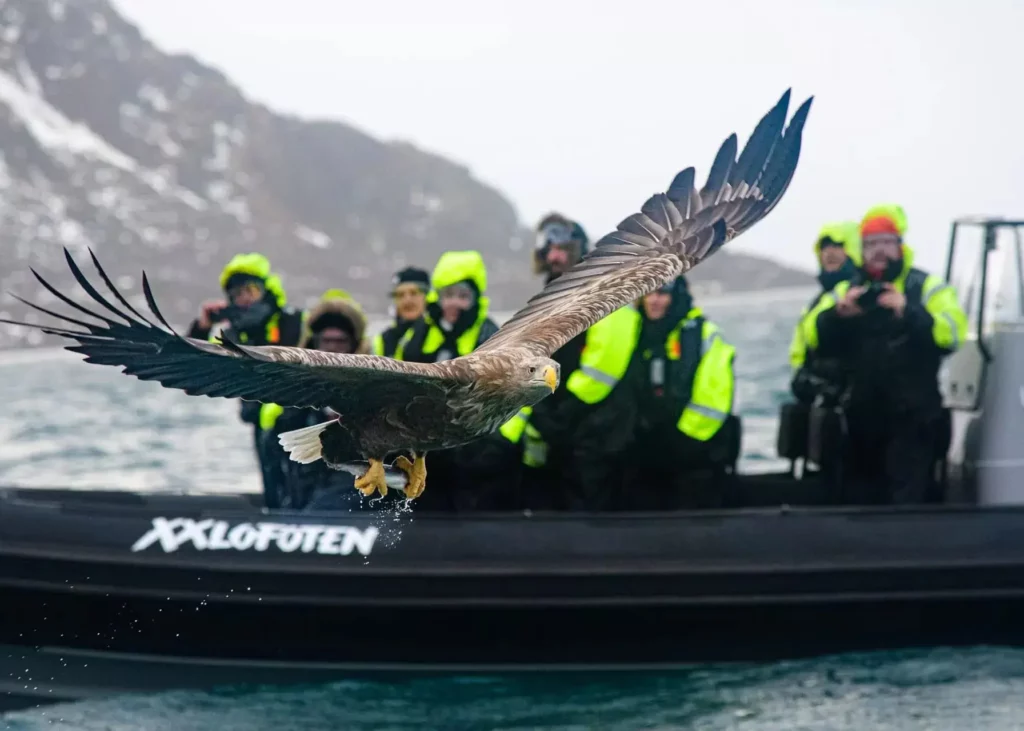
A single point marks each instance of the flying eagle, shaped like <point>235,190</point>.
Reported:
<point>388,406</point>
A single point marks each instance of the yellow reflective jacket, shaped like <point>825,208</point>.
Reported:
<point>702,364</point>
<point>847,233</point>
<point>608,349</point>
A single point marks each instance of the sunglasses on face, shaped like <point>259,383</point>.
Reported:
<point>555,234</point>
<point>463,294</point>
<point>254,291</point>
<point>879,241</point>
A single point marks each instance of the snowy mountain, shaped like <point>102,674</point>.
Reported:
<point>154,160</point>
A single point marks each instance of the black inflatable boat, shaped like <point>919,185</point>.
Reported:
<point>108,592</point>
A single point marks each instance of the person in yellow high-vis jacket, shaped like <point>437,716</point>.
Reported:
<point>456,322</point>
<point>254,311</point>
<point>409,290</point>
<point>682,370</point>
<point>837,249</point>
<point>892,325</point>
<point>568,453</point>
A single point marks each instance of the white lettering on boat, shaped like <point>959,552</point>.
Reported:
<point>218,535</point>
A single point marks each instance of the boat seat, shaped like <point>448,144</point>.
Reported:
<point>944,439</point>
<point>794,422</point>
<point>732,440</point>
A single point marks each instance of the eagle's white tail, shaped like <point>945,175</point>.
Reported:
<point>303,445</point>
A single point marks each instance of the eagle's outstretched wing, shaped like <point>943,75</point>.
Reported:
<point>353,385</point>
<point>673,232</point>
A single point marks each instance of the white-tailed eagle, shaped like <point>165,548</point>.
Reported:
<point>388,406</point>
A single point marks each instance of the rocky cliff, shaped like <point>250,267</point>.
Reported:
<point>157,161</point>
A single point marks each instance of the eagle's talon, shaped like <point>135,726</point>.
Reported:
<point>416,471</point>
<point>373,480</point>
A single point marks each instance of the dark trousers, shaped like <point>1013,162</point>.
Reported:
<point>591,479</point>
<point>272,497</point>
<point>671,471</point>
<point>890,460</point>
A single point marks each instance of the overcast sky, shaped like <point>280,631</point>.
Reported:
<point>589,106</point>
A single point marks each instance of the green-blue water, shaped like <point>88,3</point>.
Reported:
<point>66,423</point>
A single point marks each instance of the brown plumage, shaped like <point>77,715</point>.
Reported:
<point>388,406</point>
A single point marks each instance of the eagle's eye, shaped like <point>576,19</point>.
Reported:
<point>533,369</point>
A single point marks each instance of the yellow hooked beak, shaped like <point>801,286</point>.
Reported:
<point>551,378</point>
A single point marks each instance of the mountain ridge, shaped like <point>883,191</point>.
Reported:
<point>158,161</point>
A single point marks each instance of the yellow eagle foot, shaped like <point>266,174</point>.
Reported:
<point>416,472</point>
<point>373,479</point>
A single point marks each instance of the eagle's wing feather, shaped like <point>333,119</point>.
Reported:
<point>353,385</point>
<point>672,233</point>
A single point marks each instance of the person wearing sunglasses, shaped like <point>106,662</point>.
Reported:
<point>254,311</point>
<point>571,442</point>
<point>455,323</point>
<point>892,325</point>
<point>456,319</point>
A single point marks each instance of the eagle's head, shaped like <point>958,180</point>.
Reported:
<point>541,376</point>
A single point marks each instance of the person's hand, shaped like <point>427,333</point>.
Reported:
<point>893,299</point>
<point>205,317</point>
<point>847,306</point>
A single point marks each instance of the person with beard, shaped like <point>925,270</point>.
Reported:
<point>572,441</point>
<point>255,312</point>
<point>891,325</point>
<point>409,289</point>
<point>455,323</point>
<point>684,381</point>
<point>837,250</point>
<point>336,325</point>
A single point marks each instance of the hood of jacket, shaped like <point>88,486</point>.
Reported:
<point>335,304</point>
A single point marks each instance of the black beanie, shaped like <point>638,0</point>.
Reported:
<point>411,275</point>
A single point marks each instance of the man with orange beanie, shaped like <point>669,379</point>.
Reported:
<point>891,325</point>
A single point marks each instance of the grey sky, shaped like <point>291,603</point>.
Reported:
<point>589,106</point>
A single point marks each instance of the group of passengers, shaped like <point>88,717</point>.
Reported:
<point>643,415</point>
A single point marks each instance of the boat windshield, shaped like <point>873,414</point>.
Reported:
<point>986,266</point>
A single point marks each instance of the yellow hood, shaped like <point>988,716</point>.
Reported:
<point>845,232</point>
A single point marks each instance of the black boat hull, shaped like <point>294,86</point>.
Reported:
<point>280,601</point>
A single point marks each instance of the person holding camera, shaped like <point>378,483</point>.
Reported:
<point>255,312</point>
<point>891,325</point>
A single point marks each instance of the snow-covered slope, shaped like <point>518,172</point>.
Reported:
<point>156,161</point>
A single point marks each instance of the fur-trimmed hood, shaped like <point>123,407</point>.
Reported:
<point>334,305</point>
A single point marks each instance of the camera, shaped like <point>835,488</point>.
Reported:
<point>244,318</point>
<point>870,297</point>
<point>229,313</point>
